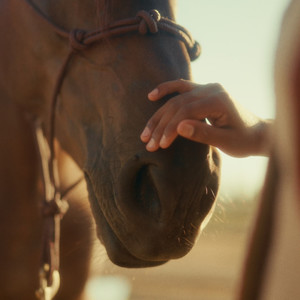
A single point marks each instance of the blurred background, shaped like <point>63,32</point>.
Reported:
<point>238,39</point>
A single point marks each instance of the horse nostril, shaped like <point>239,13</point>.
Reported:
<point>146,195</point>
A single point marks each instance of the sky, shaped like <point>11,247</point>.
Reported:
<point>238,39</point>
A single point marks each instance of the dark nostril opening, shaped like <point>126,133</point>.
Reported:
<point>146,195</point>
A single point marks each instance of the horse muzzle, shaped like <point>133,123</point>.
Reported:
<point>163,198</point>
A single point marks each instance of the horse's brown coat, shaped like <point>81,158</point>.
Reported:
<point>148,207</point>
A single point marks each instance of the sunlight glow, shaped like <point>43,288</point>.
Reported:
<point>108,288</point>
<point>238,40</point>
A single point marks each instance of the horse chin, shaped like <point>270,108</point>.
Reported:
<point>116,251</point>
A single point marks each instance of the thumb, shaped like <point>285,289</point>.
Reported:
<point>223,138</point>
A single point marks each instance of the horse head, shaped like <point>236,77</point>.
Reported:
<point>148,207</point>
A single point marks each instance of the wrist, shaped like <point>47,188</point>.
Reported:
<point>262,138</point>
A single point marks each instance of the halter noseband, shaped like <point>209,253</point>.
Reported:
<point>54,207</point>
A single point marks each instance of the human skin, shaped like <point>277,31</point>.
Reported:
<point>230,127</point>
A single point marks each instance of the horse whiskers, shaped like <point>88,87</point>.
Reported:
<point>99,254</point>
<point>212,192</point>
<point>193,226</point>
<point>188,242</point>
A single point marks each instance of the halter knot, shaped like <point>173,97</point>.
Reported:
<point>55,207</point>
<point>195,51</point>
<point>148,21</point>
<point>76,39</point>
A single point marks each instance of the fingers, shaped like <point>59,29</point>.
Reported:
<point>197,107</point>
<point>160,130</point>
<point>232,129</point>
<point>194,102</point>
<point>176,86</point>
<point>153,133</point>
<point>231,141</point>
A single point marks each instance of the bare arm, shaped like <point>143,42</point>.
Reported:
<point>231,128</point>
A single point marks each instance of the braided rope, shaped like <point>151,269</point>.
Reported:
<point>143,23</point>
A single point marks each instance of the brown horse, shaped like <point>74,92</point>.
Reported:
<point>148,207</point>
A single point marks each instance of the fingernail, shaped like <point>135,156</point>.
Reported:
<point>151,145</point>
<point>146,133</point>
<point>153,94</point>
<point>186,130</point>
<point>163,141</point>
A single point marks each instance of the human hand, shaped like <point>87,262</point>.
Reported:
<point>231,128</point>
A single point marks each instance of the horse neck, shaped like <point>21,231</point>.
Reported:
<point>28,56</point>
<point>33,53</point>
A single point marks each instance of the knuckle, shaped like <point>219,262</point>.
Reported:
<point>216,86</point>
<point>198,88</point>
<point>157,133</point>
<point>169,85</point>
<point>152,123</point>
<point>185,110</point>
<point>224,96</point>
<point>216,101</point>
<point>175,103</point>
<point>181,81</point>
<point>181,84</point>
<point>170,129</point>
<point>221,99</point>
<point>187,85</point>
<point>196,92</point>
